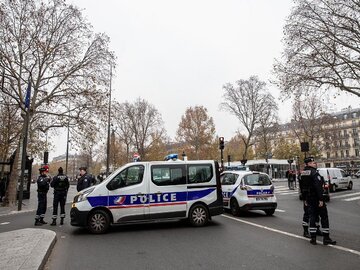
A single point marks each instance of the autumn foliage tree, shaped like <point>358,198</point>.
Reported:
<point>197,131</point>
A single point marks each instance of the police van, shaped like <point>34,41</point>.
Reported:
<point>248,190</point>
<point>151,191</point>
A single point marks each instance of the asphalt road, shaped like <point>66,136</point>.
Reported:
<point>251,241</point>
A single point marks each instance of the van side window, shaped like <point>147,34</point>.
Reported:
<point>165,175</point>
<point>199,173</point>
<point>128,177</point>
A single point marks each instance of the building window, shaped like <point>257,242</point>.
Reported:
<point>328,155</point>
<point>342,153</point>
<point>347,153</point>
<point>336,154</point>
<point>356,152</point>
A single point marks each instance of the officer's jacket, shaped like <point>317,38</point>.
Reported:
<point>60,183</point>
<point>84,181</point>
<point>312,182</point>
<point>43,183</point>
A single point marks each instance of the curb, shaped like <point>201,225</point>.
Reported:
<point>26,249</point>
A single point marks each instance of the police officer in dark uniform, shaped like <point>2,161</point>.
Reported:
<point>313,183</point>
<point>61,184</point>
<point>43,187</point>
<point>85,180</point>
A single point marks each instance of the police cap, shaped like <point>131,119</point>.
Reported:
<point>309,159</point>
<point>42,169</point>
<point>83,168</point>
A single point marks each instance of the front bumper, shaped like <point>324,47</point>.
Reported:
<point>78,218</point>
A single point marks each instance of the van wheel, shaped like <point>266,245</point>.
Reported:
<point>332,188</point>
<point>350,186</point>
<point>269,212</point>
<point>198,215</point>
<point>98,222</point>
<point>234,207</point>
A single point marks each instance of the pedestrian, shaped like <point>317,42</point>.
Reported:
<point>312,182</point>
<point>2,188</point>
<point>61,184</point>
<point>85,180</point>
<point>42,190</point>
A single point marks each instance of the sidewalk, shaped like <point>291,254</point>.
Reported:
<point>25,249</point>
<point>28,249</point>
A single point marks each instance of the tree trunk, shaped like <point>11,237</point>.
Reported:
<point>11,191</point>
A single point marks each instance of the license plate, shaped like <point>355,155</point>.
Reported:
<point>261,199</point>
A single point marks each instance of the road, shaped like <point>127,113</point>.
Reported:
<point>251,241</point>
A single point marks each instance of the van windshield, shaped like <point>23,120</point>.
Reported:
<point>257,180</point>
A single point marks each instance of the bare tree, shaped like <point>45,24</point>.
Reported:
<point>310,121</point>
<point>139,125</point>
<point>196,129</point>
<point>321,47</point>
<point>49,45</point>
<point>248,100</point>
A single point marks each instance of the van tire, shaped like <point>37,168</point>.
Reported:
<point>234,207</point>
<point>98,222</point>
<point>332,188</point>
<point>350,186</point>
<point>198,215</point>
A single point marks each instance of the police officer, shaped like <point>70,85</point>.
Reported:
<point>43,187</point>
<point>313,183</point>
<point>60,183</point>
<point>85,180</point>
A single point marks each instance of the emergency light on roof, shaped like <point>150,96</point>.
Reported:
<point>171,157</point>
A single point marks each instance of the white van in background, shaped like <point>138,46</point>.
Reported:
<point>336,178</point>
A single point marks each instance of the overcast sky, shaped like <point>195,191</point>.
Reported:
<point>179,53</point>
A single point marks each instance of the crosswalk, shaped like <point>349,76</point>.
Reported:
<point>347,196</point>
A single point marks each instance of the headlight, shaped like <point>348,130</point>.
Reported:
<point>83,195</point>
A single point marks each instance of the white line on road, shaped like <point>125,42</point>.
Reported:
<point>352,199</point>
<point>286,193</point>
<point>4,223</point>
<point>279,210</point>
<point>290,234</point>
<point>346,195</point>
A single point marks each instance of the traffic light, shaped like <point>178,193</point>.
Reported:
<point>221,143</point>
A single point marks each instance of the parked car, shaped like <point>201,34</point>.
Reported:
<point>247,190</point>
<point>336,178</point>
<point>357,174</point>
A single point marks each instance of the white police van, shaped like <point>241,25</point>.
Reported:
<point>248,190</point>
<point>151,191</point>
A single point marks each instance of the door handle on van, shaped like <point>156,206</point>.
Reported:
<point>159,192</point>
<point>140,194</point>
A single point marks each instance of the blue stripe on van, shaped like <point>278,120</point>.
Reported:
<point>153,198</point>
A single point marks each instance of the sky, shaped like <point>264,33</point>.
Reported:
<point>178,54</point>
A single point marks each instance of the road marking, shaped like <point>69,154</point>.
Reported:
<point>286,193</point>
<point>356,252</point>
<point>4,223</point>
<point>279,210</point>
<point>352,199</point>
<point>345,195</point>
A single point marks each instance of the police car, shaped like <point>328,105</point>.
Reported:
<point>248,190</point>
<point>151,191</point>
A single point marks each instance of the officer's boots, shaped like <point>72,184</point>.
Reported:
<point>37,222</point>
<point>53,222</point>
<point>313,238</point>
<point>306,232</point>
<point>327,240</point>
<point>62,221</point>
<point>42,221</point>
